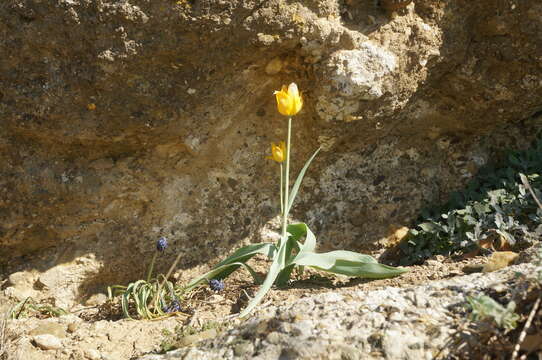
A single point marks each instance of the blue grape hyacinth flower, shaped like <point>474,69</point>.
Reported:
<point>216,285</point>
<point>174,306</point>
<point>161,244</point>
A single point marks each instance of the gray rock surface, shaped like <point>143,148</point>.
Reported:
<point>359,73</point>
<point>118,125</point>
<point>390,323</point>
<point>70,337</point>
<point>47,342</point>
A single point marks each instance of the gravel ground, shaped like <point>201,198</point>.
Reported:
<point>414,322</point>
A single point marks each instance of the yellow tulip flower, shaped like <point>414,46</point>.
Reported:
<point>278,152</point>
<point>289,100</point>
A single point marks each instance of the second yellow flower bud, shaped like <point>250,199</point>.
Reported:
<point>278,152</point>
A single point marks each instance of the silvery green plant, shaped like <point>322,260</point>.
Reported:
<point>501,199</point>
<point>150,298</point>
<point>296,247</point>
<point>539,264</point>
<point>484,308</point>
<point>29,307</point>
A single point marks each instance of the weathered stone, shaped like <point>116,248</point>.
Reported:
<point>122,126</point>
<point>51,328</point>
<point>93,354</point>
<point>204,335</point>
<point>360,73</point>
<point>47,342</point>
<point>96,299</point>
<point>274,337</point>
<point>499,260</point>
<point>72,327</point>
<point>361,328</point>
<point>64,279</point>
<point>243,349</point>
<point>274,66</point>
<point>21,285</point>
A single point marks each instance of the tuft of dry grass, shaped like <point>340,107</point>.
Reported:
<point>8,349</point>
<point>3,325</point>
<point>4,343</point>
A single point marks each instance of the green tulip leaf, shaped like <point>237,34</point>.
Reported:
<point>348,263</point>
<point>276,266</point>
<point>298,181</point>
<point>284,275</point>
<point>221,272</point>
<point>299,230</point>
<point>246,252</point>
<point>287,268</point>
<point>327,260</point>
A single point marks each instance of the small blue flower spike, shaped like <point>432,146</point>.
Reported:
<point>161,244</point>
<point>216,285</point>
<point>174,306</point>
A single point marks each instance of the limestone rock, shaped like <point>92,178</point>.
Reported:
<point>361,73</point>
<point>93,354</point>
<point>499,260</point>
<point>388,323</point>
<point>122,126</point>
<point>243,349</point>
<point>204,335</point>
<point>47,342</point>
<point>96,299</point>
<point>20,278</point>
<point>274,66</point>
<point>51,328</point>
<point>21,285</point>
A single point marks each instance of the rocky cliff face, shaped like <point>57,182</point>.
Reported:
<point>121,121</point>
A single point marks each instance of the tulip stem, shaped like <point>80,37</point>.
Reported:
<point>281,191</point>
<point>286,182</point>
<point>151,267</point>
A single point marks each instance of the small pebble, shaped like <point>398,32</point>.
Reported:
<point>96,300</point>
<point>243,349</point>
<point>72,327</point>
<point>274,66</point>
<point>273,337</point>
<point>50,328</point>
<point>192,339</point>
<point>433,263</point>
<point>47,342</point>
<point>93,354</point>
<point>499,260</point>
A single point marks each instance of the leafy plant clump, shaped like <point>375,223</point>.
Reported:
<point>290,252</point>
<point>29,307</point>
<point>507,324</point>
<point>174,340</point>
<point>538,263</point>
<point>147,300</point>
<point>150,298</point>
<point>497,210</point>
<point>484,308</point>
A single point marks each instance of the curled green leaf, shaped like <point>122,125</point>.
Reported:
<point>298,181</point>
<point>348,263</point>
